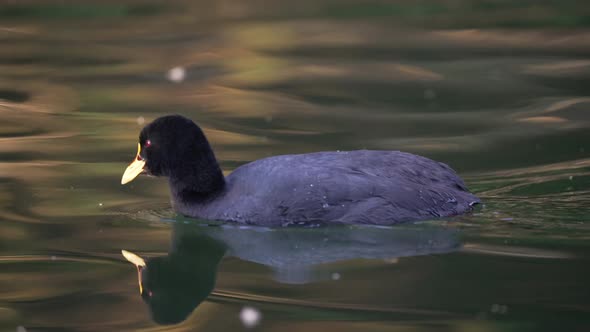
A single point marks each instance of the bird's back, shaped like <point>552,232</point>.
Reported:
<point>363,187</point>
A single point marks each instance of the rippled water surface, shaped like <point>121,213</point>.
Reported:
<point>497,89</point>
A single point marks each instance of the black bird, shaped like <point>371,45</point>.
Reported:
<point>355,187</point>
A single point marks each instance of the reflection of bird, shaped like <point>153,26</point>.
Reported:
<point>296,254</point>
<point>363,187</point>
<point>174,285</point>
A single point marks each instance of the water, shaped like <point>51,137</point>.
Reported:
<point>498,90</point>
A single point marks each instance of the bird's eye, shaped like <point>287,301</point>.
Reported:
<point>148,143</point>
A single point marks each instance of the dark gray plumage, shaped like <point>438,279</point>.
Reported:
<point>356,187</point>
<point>362,187</point>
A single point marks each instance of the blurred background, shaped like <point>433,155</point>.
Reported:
<point>498,89</point>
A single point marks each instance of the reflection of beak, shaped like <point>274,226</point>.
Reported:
<point>135,168</point>
<point>138,262</point>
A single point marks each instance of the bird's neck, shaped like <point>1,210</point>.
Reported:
<point>197,184</point>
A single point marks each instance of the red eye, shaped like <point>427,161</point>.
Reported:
<point>148,143</point>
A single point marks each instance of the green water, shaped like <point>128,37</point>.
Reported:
<point>499,90</point>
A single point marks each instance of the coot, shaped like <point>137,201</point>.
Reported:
<point>354,187</point>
